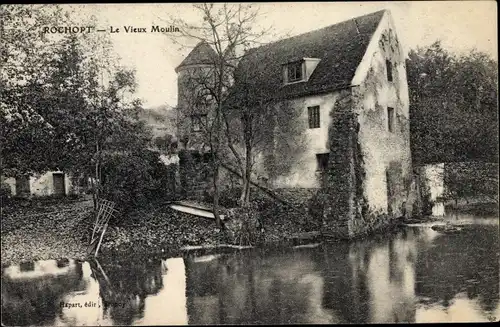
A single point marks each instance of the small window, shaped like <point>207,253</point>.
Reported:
<point>322,161</point>
<point>198,122</point>
<point>388,65</point>
<point>313,114</point>
<point>390,119</point>
<point>27,266</point>
<point>388,184</point>
<point>61,263</point>
<point>294,71</point>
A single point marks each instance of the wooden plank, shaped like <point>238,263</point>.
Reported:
<point>305,246</point>
<point>195,211</point>
<point>194,205</point>
<point>305,235</point>
<point>100,240</point>
<point>100,208</point>
<point>188,248</point>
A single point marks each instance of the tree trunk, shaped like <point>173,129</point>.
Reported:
<point>247,165</point>
<point>216,197</point>
<point>215,152</point>
<point>246,177</point>
<point>95,193</point>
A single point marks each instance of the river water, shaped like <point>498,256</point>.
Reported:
<point>414,275</point>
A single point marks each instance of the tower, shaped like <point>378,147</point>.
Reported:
<point>194,74</point>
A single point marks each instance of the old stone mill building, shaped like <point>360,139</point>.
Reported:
<point>344,138</point>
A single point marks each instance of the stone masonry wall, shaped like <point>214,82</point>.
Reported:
<point>385,185</point>
<point>195,175</point>
<point>336,198</point>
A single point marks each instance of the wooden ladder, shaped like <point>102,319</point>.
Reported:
<point>104,212</point>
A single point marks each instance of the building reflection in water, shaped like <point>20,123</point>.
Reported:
<point>343,283</point>
<point>417,275</point>
<point>32,291</point>
<point>371,281</point>
<point>255,288</point>
<point>148,292</point>
<point>396,279</point>
<point>106,293</point>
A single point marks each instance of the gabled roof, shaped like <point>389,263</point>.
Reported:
<point>340,47</point>
<point>201,54</point>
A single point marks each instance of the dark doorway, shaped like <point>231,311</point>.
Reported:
<point>59,185</point>
<point>395,189</point>
<point>23,186</point>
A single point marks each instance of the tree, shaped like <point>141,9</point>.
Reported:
<point>453,105</point>
<point>26,56</point>
<point>229,30</point>
<point>67,104</point>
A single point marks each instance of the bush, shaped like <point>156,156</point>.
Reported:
<point>134,179</point>
<point>242,225</point>
<point>5,192</point>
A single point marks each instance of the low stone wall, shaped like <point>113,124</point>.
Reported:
<point>195,174</point>
<point>456,182</point>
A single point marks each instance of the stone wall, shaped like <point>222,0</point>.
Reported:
<point>370,178</point>
<point>195,174</point>
<point>43,184</point>
<point>385,187</point>
<point>296,145</point>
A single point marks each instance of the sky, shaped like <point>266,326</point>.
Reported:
<point>460,25</point>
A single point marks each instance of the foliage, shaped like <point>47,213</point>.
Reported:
<point>25,60</point>
<point>68,105</point>
<point>5,193</point>
<point>242,225</point>
<point>133,178</point>
<point>166,144</point>
<point>471,180</point>
<point>453,105</point>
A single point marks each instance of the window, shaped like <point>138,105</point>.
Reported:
<point>61,263</point>
<point>294,72</point>
<point>388,65</point>
<point>322,161</point>
<point>198,122</point>
<point>390,119</point>
<point>313,114</point>
<point>27,266</point>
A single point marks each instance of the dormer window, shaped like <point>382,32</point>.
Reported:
<point>299,70</point>
<point>295,71</point>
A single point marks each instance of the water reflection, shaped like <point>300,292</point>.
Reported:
<point>417,275</point>
<point>32,291</point>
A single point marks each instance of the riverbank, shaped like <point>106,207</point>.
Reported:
<point>52,229</point>
<point>61,229</point>
<point>160,229</point>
